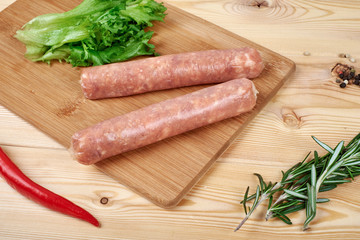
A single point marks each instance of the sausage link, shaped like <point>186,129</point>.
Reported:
<point>162,120</point>
<point>170,71</point>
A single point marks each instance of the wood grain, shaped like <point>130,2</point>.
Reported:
<point>324,28</point>
<point>162,172</point>
<point>310,103</point>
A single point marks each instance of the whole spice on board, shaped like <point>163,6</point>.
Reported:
<point>299,186</point>
<point>17,179</point>
<point>345,75</point>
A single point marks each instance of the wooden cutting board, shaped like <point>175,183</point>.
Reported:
<point>50,98</point>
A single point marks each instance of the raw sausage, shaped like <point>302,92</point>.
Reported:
<point>170,71</point>
<point>162,120</point>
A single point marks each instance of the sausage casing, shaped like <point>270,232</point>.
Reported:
<point>162,120</point>
<point>170,71</point>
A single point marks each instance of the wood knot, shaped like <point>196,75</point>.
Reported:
<point>256,3</point>
<point>290,119</point>
<point>104,200</point>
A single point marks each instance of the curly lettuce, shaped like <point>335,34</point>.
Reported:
<point>96,32</point>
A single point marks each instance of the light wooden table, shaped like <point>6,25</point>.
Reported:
<point>309,104</point>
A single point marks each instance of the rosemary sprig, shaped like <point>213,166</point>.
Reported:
<point>300,185</point>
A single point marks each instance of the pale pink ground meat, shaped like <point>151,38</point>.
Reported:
<point>162,120</point>
<point>170,71</point>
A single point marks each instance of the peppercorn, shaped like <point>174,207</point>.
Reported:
<point>338,80</point>
<point>349,77</point>
<point>341,75</point>
<point>357,82</point>
<point>342,85</point>
<point>357,77</point>
<point>352,74</point>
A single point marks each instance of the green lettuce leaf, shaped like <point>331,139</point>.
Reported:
<point>96,32</point>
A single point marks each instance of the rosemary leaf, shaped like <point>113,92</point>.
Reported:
<point>270,200</point>
<point>295,194</point>
<point>294,208</point>
<point>336,181</point>
<point>310,206</point>
<point>322,200</point>
<point>284,218</point>
<point>336,154</point>
<point>245,199</point>
<point>352,151</point>
<point>323,145</point>
<point>316,158</point>
<point>256,199</point>
<point>350,173</point>
<point>285,205</point>
<point>325,188</point>
<point>261,181</point>
<point>313,176</point>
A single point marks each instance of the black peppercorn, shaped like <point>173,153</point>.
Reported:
<point>349,77</point>
<point>342,85</point>
<point>357,77</point>
<point>352,74</point>
<point>357,82</point>
<point>341,75</point>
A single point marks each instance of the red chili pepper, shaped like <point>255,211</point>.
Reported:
<point>17,179</point>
